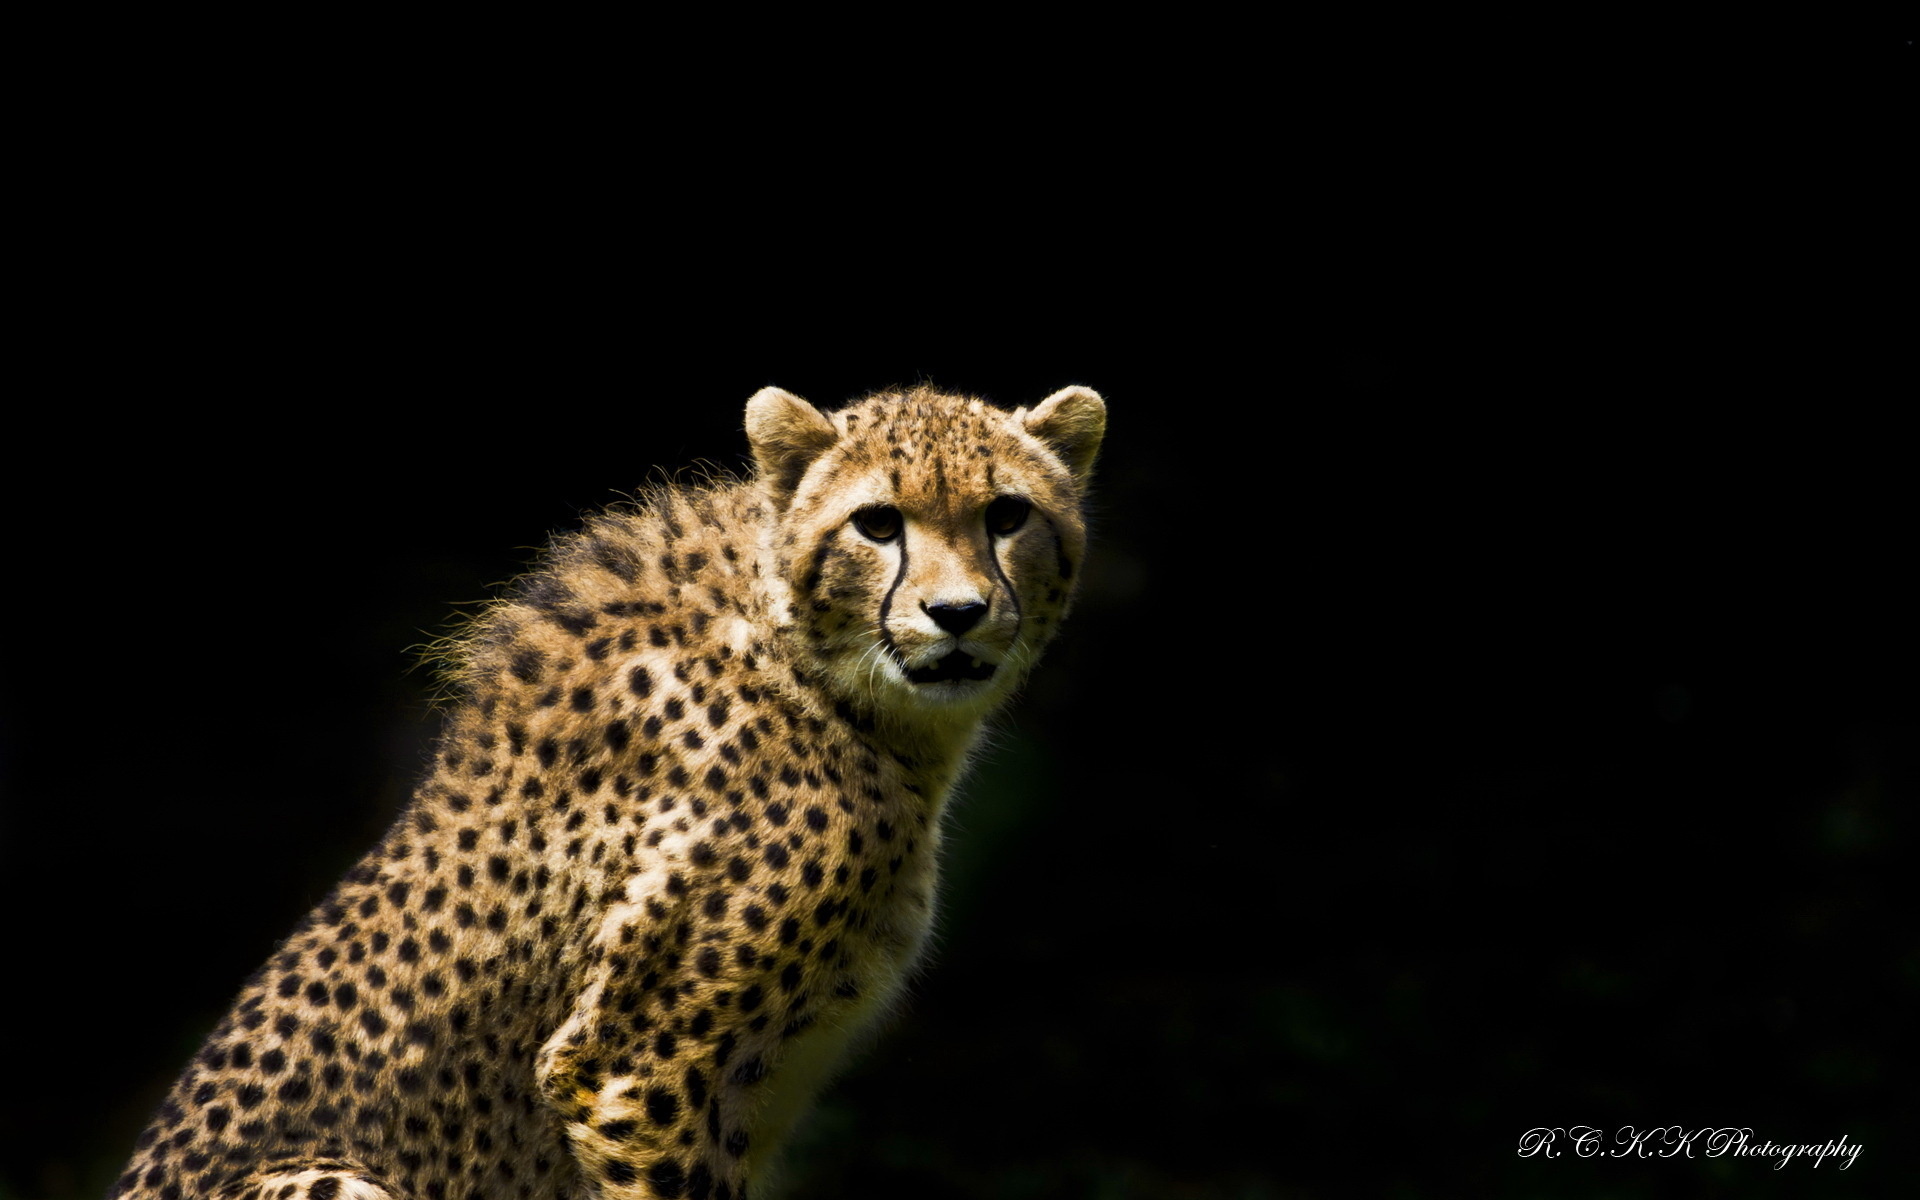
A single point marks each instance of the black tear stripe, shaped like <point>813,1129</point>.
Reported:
<point>1059,550</point>
<point>886,603</point>
<point>1006,585</point>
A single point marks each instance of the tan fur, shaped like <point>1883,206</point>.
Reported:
<point>679,844</point>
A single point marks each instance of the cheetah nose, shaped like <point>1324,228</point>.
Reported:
<point>955,618</point>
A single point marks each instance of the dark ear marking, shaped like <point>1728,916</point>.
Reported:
<point>1071,421</point>
<point>787,434</point>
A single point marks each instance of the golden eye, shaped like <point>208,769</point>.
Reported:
<point>879,522</point>
<point>1007,514</point>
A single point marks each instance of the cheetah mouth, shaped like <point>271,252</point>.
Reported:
<point>958,667</point>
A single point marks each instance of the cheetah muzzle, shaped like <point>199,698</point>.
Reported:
<point>957,667</point>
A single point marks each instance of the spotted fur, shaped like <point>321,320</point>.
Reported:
<point>679,842</point>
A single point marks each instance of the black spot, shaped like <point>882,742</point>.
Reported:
<point>373,1023</point>
<point>816,819</point>
<point>639,682</point>
<point>666,1177</point>
<point>700,1184</point>
<point>696,1088</point>
<point>574,621</point>
<point>662,1106</point>
<point>526,664</point>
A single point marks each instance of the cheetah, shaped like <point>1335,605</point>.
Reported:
<point>679,841</point>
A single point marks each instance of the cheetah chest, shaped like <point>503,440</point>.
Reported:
<point>877,953</point>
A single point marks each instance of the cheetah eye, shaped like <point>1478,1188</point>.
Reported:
<point>879,522</point>
<point>1007,514</point>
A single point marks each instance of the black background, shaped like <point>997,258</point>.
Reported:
<point>1491,702</point>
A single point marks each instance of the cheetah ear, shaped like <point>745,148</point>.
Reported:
<point>786,434</point>
<point>1072,422</point>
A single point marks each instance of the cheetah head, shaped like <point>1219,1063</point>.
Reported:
<point>924,546</point>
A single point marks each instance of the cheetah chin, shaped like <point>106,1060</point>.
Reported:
<point>957,667</point>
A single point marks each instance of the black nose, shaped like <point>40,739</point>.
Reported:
<point>955,618</point>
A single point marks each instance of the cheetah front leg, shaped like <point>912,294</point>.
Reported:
<point>640,1112</point>
<point>631,1072</point>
